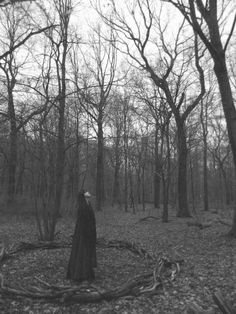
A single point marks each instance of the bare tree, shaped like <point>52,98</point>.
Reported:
<point>162,72</point>
<point>208,29</point>
<point>13,23</point>
<point>116,125</point>
<point>58,42</point>
<point>94,95</point>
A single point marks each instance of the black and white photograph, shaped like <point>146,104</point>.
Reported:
<point>117,156</point>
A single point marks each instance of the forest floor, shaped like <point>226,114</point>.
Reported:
<point>209,262</point>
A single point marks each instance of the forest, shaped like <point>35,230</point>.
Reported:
<point>133,101</point>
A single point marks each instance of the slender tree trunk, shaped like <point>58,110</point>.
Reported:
<point>126,182</point>
<point>166,180</point>
<point>204,119</point>
<point>165,213</point>
<point>143,187</point>
<point>60,163</point>
<point>12,162</point>
<point>131,193</point>
<point>116,182</point>
<point>100,166</point>
<point>77,161</point>
<point>192,184</point>
<point>157,172</point>
<point>139,184</point>
<point>183,210</point>
<point>60,153</point>
<point>226,185</point>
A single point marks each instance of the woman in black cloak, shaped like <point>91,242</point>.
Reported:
<point>83,253</point>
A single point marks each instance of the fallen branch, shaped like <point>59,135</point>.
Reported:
<point>222,304</point>
<point>2,252</point>
<point>121,244</point>
<point>223,222</point>
<point>91,293</point>
<point>101,242</point>
<point>199,224</point>
<point>148,217</point>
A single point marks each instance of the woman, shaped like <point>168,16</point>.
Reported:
<point>83,253</point>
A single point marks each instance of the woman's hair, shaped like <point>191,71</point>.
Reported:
<point>81,199</point>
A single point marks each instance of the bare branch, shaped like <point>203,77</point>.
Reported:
<point>230,34</point>
<point>24,40</point>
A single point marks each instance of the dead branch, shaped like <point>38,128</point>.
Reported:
<point>223,305</point>
<point>199,224</point>
<point>91,293</point>
<point>2,252</point>
<point>101,242</point>
<point>147,218</point>
<point>121,244</point>
<point>224,222</point>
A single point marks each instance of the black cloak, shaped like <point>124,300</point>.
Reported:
<point>83,253</point>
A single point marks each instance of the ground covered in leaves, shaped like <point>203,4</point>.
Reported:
<point>209,262</point>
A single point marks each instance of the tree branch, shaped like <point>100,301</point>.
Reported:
<point>230,34</point>
<point>24,40</point>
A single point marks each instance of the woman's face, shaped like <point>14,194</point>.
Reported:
<point>87,198</point>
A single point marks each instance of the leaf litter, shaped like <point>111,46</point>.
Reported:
<point>209,263</point>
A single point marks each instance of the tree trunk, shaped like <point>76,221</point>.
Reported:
<point>12,162</point>
<point>226,185</point>
<point>165,200</point>
<point>204,119</point>
<point>138,184</point>
<point>183,210</point>
<point>157,172</point>
<point>230,116</point>
<point>126,177</point>
<point>100,167</point>
<point>192,184</point>
<point>59,175</point>
<point>60,155</point>
<point>116,182</point>
<point>143,186</point>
